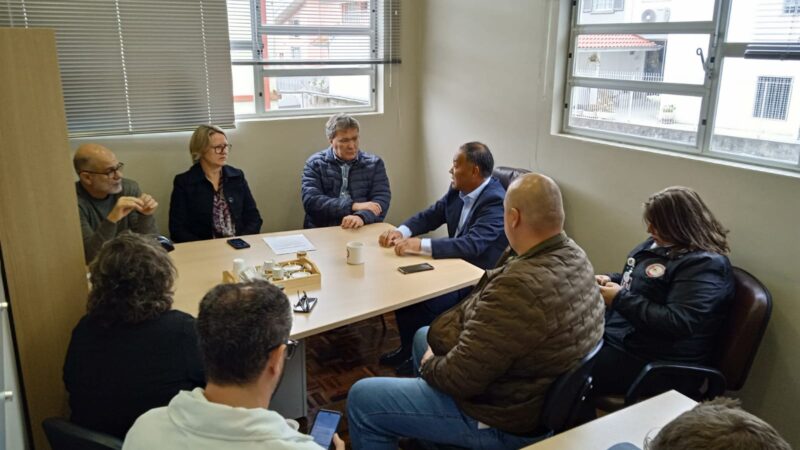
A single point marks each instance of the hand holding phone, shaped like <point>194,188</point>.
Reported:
<point>325,426</point>
<point>415,268</point>
<point>237,243</point>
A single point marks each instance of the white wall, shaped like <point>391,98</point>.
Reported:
<point>272,152</point>
<point>488,72</point>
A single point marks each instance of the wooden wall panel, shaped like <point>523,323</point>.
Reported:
<point>39,225</point>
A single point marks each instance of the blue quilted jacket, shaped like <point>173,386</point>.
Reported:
<point>322,180</point>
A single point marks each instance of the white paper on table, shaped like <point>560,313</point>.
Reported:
<point>292,243</point>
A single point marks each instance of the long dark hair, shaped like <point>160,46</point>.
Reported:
<point>132,279</point>
<point>680,217</point>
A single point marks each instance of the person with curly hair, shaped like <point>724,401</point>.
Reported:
<point>131,352</point>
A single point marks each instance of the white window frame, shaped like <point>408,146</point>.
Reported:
<point>292,69</point>
<point>708,92</point>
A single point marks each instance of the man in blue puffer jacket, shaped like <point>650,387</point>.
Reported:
<point>343,185</point>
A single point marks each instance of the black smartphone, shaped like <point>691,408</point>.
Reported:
<point>325,426</point>
<point>415,268</point>
<point>238,244</point>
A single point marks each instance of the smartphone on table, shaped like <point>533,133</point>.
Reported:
<point>325,426</point>
<point>238,244</point>
<point>415,268</point>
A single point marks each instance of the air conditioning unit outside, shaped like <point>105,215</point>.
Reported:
<point>656,15</point>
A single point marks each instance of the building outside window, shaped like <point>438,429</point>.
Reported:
<point>659,75</point>
<point>772,97</point>
<point>298,57</point>
<point>791,6</point>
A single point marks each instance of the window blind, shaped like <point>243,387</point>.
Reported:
<point>315,32</point>
<point>136,66</point>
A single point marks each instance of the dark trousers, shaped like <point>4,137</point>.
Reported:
<point>412,318</point>
<point>615,370</point>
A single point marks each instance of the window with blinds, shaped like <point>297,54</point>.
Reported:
<point>298,57</point>
<point>136,66</point>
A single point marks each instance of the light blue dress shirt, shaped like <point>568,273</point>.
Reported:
<point>469,202</point>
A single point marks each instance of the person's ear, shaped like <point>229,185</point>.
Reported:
<point>476,171</point>
<point>275,361</point>
<point>513,217</point>
<point>85,178</point>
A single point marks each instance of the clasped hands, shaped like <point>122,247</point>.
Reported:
<point>354,221</point>
<point>144,204</point>
<point>608,289</point>
<point>393,238</point>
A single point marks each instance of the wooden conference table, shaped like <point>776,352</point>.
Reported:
<point>347,293</point>
<point>631,424</point>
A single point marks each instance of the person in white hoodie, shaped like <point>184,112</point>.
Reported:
<point>243,331</point>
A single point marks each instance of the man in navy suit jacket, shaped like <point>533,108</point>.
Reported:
<point>472,209</point>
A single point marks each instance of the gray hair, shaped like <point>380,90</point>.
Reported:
<point>339,122</point>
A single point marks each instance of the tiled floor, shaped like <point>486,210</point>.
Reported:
<point>337,359</point>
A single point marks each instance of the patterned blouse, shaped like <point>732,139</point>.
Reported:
<point>223,224</point>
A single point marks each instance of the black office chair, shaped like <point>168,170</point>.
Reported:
<point>65,435</point>
<point>737,345</point>
<point>562,405</point>
<point>568,395</point>
<point>505,175</point>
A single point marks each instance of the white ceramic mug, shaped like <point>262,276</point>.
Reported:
<point>238,266</point>
<point>277,272</point>
<point>355,252</point>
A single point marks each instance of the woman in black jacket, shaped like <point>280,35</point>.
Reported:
<point>131,352</point>
<point>673,295</point>
<point>211,199</point>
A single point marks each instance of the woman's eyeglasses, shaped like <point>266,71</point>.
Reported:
<point>220,149</point>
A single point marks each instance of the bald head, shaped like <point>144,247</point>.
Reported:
<point>537,198</point>
<point>90,156</point>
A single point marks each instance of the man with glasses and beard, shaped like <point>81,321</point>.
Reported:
<point>107,203</point>
<point>243,330</point>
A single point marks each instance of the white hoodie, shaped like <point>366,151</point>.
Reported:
<point>190,421</point>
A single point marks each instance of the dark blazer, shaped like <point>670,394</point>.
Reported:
<point>191,204</point>
<point>482,240</point>
<point>115,374</point>
<point>674,306</point>
<point>322,180</point>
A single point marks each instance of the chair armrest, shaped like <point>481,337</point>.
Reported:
<point>658,377</point>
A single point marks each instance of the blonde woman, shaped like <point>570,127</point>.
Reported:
<point>211,199</point>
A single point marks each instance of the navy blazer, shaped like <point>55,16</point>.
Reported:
<point>192,202</point>
<point>482,240</point>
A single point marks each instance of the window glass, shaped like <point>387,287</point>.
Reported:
<point>758,112</point>
<point>648,115</point>
<point>644,11</point>
<point>764,21</point>
<point>669,58</point>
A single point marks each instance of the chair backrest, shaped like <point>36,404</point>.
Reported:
<point>65,435</point>
<point>505,175</point>
<point>741,335</point>
<point>568,392</point>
